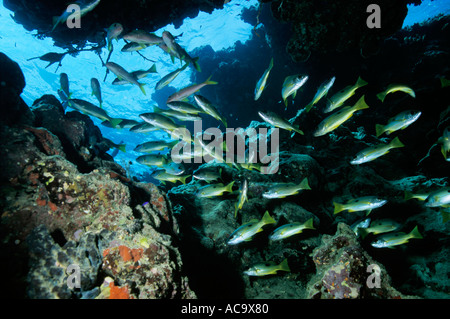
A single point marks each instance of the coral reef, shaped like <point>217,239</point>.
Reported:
<point>56,213</point>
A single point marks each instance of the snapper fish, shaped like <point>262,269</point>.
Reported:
<point>159,120</point>
<point>391,240</point>
<point>291,229</point>
<point>396,88</point>
<point>96,90</point>
<point>282,190</point>
<point>242,197</point>
<point>152,146</point>
<point>208,174</point>
<point>291,85</point>
<point>167,79</point>
<point>321,92</point>
<point>267,268</point>
<point>188,91</point>
<point>261,84</point>
<point>374,152</point>
<point>123,74</point>
<point>140,74</point>
<point>113,32</point>
<point>214,190</point>
<point>64,82</point>
<point>438,198</point>
<point>365,203</point>
<point>336,119</point>
<point>248,230</point>
<point>90,109</point>
<point>143,37</point>
<point>209,108</point>
<point>277,121</point>
<point>398,122</point>
<point>343,95</point>
<point>380,226</point>
<point>164,176</point>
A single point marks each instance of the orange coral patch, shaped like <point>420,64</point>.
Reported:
<point>116,292</point>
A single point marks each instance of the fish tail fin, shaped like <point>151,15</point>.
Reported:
<point>208,81</point>
<point>101,105</point>
<point>298,130</point>
<point>236,209</point>
<point>284,266</point>
<point>229,187</point>
<point>114,122</point>
<point>110,46</point>
<point>408,195</point>
<point>361,104</point>
<point>360,82</point>
<point>267,219</point>
<point>224,121</point>
<point>183,179</point>
<point>396,143</point>
<point>338,208</point>
<point>304,184</point>
<point>122,147</point>
<point>415,233</point>
<point>309,224</point>
<point>152,69</point>
<point>379,129</point>
<point>271,64</point>
<point>381,96</point>
<point>309,107</point>
<point>141,86</point>
<point>196,65</point>
<point>363,232</point>
<point>55,22</point>
<point>445,216</point>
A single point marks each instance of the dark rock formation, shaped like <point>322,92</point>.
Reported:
<point>64,203</point>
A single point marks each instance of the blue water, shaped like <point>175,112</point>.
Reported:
<point>128,101</point>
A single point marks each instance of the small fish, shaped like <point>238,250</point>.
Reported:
<point>291,229</point>
<point>366,203</point>
<point>113,33</point>
<point>163,176</point>
<point>208,174</point>
<point>143,37</point>
<point>188,91</point>
<point>360,224</point>
<point>84,8</point>
<point>380,226</point>
<point>64,81</point>
<point>152,160</point>
<point>261,84</point>
<point>372,153</point>
<point>143,128</point>
<point>321,92</point>
<point>282,190</point>
<point>140,74</point>
<point>242,197</point>
<point>336,119</point>
<point>124,124</point>
<point>152,146</point>
<point>398,122</point>
<point>251,166</point>
<point>394,239</point>
<point>111,144</point>
<point>444,140</point>
<point>90,109</point>
<point>96,90</point>
<point>184,107</point>
<point>209,108</point>
<point>396,88</point>
<point>343,95</point>
<point>167,79</point>
<point>267,268</point>
<point>214,190</point>
<point>291,85</point>
<point>181,116</point>
<point>133,47</point>
<point>63,98</point>
<point>174,168</point>
<point>248,230</point>
<point>437,198</point>
<point>51,58</point>
<point>121,73</point>
<point>277,121</point>
<point>159,120</point>
<point>175,48</point>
